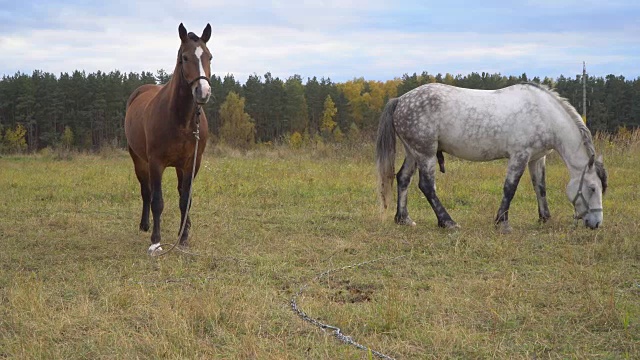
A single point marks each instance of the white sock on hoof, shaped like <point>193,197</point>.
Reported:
<point>153,249</point>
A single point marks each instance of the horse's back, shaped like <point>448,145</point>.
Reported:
<point>134,118</point>
<point>143,94</point>
<point>476,124</point>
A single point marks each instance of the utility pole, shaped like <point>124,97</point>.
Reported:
<point>584,92</point>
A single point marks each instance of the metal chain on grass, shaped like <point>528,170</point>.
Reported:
<point>337,332</point>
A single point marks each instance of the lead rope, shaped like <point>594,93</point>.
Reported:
<point>337,332</point>
<point>196,133</point>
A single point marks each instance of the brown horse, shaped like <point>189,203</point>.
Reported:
<point>160,126</point>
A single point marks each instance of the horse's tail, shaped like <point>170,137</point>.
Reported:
<point>386,153</point>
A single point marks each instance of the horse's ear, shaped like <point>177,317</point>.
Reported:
<point>600,159</point>
<point>206,34</point>
<point>183,33</point>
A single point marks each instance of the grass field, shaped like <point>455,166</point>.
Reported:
<point>76,282</point>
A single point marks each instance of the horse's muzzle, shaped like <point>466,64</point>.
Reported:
<point>201,89</point>
<point>592,221</point>
<point>202,94</point>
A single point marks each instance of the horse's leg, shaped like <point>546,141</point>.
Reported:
<point>142,173</point>
<point>184,183</point>
<point>427,184</point>
<point>404,179</point>
<point>440,157</point>
<point>157,203</point>
<point>516,165</point>
<point>537,172</point>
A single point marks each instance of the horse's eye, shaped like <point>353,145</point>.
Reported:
<point>592,189</point>
<point>184,58</point>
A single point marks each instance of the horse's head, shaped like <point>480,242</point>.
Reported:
<point>585,192</point>
<point>195,62</point>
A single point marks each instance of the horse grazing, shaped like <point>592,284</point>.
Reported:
<point>161,125</point>
<point>523,123</point>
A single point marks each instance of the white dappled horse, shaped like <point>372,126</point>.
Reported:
<point>522,123</point>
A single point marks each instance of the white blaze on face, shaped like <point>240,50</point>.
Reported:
<point>204,85</point>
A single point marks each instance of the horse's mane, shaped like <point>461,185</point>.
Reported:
<point>584,131</point>
<point>573,113</point>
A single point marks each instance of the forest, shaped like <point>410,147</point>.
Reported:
<point>85,112</point>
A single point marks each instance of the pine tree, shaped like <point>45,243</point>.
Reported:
<point>295,105</point>
<point>312,93</point>
<point>162,77</point>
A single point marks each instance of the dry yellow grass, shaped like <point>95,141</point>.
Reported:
<point>75,281</point>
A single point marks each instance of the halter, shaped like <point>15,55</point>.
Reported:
<point>185,78</point>
<point>579,195</point>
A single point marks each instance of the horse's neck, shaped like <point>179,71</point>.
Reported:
<point>572,150</point>
<point>181,103</point>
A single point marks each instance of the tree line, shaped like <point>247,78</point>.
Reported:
<point>86,111</point>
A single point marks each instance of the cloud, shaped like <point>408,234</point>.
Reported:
<point>336,39</point>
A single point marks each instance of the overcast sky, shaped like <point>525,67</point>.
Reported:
<point>339,39</point>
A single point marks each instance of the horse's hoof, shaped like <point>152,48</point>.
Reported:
<point>154,249</point>
<point>505,228</point>
<point>450,225</point>
<point>406,221</point>
<point>453,226</point>
<point>543,220</point>
<point>144,227</point>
